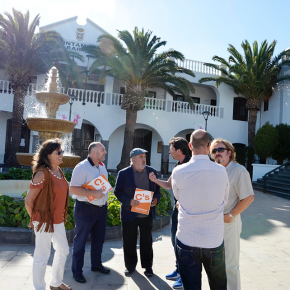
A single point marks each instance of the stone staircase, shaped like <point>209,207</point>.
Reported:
<point>278,182</point>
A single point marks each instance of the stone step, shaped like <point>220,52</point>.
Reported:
<point>258,186</point>
<point>282,176</point>
<point>276,181</point>
<point>278,188</point>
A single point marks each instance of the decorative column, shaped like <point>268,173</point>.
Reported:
<point>106,144</point>
<point>165,159</point>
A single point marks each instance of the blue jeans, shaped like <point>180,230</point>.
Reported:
<point>174,223</point>
<point>190,261</point>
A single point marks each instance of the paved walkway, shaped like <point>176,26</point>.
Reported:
<point>265,256</point>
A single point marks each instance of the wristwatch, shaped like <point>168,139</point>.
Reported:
<point>231,216</point>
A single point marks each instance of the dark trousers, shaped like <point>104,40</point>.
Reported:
<point>174,223</point>
<point>130,231</point>
<point>89,219</point>
<point>190,261</point>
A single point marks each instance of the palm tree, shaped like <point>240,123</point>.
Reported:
<point>25,54</point>
<point>140,68</point>
<point>253,76</point>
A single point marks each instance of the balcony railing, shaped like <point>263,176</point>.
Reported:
<point>115,100</point>
<point>184,107</point>
<point>198,66</point>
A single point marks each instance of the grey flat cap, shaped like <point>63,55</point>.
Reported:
<point>137,151</point>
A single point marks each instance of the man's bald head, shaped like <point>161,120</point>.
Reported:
<point>199,140</point>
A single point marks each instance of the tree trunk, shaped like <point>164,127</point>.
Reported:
<point>251,136</point>
<point>131,117</point>
<point>17,120</point>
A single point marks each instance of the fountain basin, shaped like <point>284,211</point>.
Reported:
<point>50,97</point>
<point>68,161</point>
<point>50,128</point>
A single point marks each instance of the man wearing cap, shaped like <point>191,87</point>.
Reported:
<point>128,179</point>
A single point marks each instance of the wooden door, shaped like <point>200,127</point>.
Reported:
<point>81,140</point>
<point>143,139</point>
<point>25,139</point>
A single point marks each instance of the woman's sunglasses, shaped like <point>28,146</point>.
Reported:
<point>220,150</point>
<point>60,152</point>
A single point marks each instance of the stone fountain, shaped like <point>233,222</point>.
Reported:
<point>50,127</point>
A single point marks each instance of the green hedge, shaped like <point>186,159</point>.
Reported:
<point>13,212</point>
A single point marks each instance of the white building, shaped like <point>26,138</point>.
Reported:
<point>163,117</point>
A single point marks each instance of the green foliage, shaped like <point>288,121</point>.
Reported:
<point>139,66</point>
<point>164,204</point>
<point>112,180</point>
<point>114,208</point>
<point>282,150</point>
<point>70,221</point>
<point>17,173</point>
<point>266,140</point>
<point>13,212</point>
<point>68,175</point>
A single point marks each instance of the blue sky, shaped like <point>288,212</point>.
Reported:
<point>199,29</point>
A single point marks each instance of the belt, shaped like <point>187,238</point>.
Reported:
<point>88,203</point>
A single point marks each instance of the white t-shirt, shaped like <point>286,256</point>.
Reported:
<point>202,188</point>
<point>85,172</point>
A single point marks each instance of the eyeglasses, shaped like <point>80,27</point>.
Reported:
<point>60,152</point>
<point>220,150</point>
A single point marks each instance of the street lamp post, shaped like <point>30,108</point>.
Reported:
<point>205,115</point>
<point>71,100</point>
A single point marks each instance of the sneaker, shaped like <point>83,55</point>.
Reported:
<point>172,276</point>
<point>178,283</point>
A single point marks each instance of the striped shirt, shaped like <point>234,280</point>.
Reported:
<point>202,189</point>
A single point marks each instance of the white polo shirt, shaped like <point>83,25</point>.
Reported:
<point>202,189</point>
<point>85,172</point>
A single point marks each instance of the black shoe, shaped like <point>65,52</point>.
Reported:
<point>129,271</point>
<point>101,269</point>
<point>148,272</point>
<point>80,278</point>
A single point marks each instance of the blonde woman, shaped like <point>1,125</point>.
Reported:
<point>47,205</point>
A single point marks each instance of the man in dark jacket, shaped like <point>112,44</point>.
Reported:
<point>130,178</point>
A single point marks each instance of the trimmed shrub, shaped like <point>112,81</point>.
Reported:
<point>13,212</point>
<point>282,150</point>
<point>266,140</point>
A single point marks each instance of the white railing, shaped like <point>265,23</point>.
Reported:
<point>87,96</point>
<point>197,66</point>
<point>184,107</point>
<point>156,104</point>
<point>4,87</point>
<point>97,97</point>
<point>117,99</point>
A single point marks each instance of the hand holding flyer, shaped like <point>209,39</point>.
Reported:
<point>145,198</point>
<point>100,182</point>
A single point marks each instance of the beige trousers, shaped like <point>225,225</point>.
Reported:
<point>42,253</point>
<point>232,253</point>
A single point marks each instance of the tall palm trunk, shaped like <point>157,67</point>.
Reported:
<point>131,118</point>
<point>251,136</point>
<point>17,120</point>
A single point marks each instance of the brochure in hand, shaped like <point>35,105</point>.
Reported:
<point>145,199</point>
<point>100,182</point>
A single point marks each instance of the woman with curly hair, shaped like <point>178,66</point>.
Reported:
<point>47,205</point>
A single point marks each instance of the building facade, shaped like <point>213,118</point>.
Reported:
<point>97,108</point>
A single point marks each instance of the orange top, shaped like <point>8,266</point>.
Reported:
<point>60,187</point>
